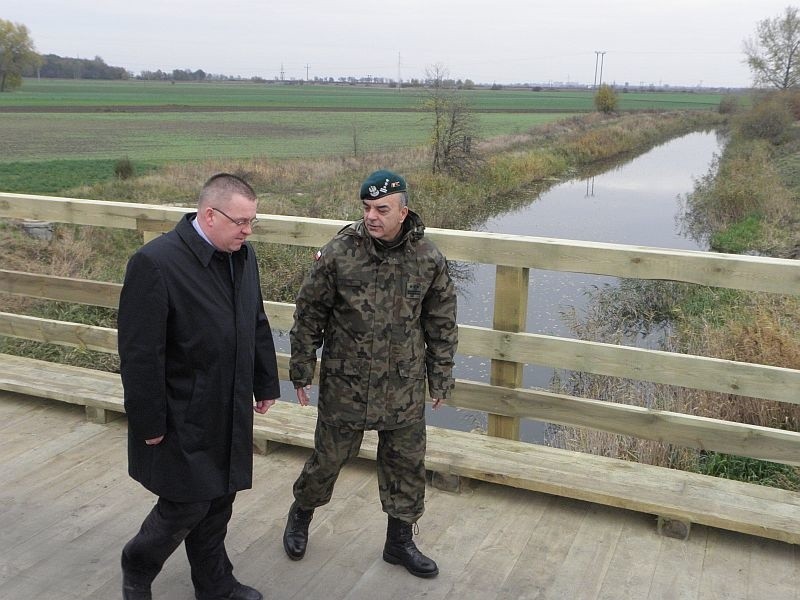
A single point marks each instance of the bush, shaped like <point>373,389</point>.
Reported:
<point>123,168</point>
<point>767,120</point>
<point>792,100</point>
<point>738,237</point>
<point>605,100</point>
<point>728,105</point>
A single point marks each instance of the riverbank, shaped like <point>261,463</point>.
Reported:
<point>747,203</point>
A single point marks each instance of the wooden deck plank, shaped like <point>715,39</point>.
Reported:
<point>583,571</point>
<point>781,562</point>
<point>502,549</point>
<point>551,539</point>
<point>630,572</point>
<point>719,580</point>
<point>678,567</point>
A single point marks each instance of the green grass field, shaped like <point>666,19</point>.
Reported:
<point>164,136</point>
<point>57,93</point>
<point>54,133</point>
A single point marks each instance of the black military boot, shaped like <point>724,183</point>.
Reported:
<point>400,549</point>
<point>295,536</point>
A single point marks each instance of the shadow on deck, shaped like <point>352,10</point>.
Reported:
<point>68,506</point>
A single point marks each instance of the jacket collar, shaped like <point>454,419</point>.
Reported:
<point>413,230</point>
<point>199,247</point>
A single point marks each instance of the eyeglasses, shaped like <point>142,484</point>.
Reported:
<point>237,222</point>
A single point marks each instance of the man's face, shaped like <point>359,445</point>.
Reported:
<point>384,217</point>
<point>219,225</point>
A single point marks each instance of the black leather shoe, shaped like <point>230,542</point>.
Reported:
<point>242,592</point>
<point>133,591</point>
<point>295,536</point>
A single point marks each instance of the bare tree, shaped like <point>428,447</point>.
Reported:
<point>454,125</point>
<point>773,54</point>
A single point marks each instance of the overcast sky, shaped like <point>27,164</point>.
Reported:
<point>675,42</point>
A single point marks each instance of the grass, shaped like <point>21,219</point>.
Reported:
<point>51,177</point>
<point>739,237</point>
<point>742,468</point>
<point>161,137</point>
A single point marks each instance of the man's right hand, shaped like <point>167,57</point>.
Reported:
<point>302,395</point>
<point>154,441</point>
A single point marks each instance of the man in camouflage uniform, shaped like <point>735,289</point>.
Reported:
<point>380,302</point>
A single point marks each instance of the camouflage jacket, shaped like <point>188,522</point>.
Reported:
<point>386,321</point>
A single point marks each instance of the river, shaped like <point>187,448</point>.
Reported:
<point>637,203</point>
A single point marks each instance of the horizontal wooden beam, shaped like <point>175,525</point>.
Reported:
<point>62,333</point>
<point>752,273</point>
<point>765,443</point>
<point>684,430</point>
<point>685,370</point>
<point>62,289</point>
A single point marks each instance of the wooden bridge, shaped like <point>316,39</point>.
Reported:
<point>553,529</point>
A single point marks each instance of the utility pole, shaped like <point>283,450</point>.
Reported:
<point>602,60</point>
<point>307,67</point>
<point>598,54</point>
<point>399,80</point>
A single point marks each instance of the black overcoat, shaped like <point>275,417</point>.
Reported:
<point>195,348</point>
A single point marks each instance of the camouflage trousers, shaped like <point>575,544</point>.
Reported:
<point>401,468</point>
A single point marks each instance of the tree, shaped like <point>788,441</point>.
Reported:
<point>454,125</point>
<point>605,100</point>
<point>773,54</point>
<point>16,54</point>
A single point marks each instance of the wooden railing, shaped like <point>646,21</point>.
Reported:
<point>506,344</point>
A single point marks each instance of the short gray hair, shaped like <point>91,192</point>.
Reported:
<point>222,186</point>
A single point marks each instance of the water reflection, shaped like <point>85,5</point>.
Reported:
<point>634,203</point>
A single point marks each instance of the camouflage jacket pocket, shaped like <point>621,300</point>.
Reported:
<point>344,378</point>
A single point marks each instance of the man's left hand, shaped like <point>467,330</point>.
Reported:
<point>437,402</point>
<point>263,406</point>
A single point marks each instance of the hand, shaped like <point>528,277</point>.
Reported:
<point>154,441</point>
<point>437,403</point>
<point>263,406</point>
<point>302,395</point>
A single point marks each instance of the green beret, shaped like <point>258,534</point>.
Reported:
<point>382,183</point>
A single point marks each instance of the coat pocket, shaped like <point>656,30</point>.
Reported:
<point>344,378</point>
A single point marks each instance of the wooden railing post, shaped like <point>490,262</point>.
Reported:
<point>152,229</point>
<point>510,312</point>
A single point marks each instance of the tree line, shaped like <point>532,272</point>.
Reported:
<point>62,67</point>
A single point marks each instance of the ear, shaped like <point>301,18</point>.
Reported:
<point>403,213</point>
<point>206,216</point>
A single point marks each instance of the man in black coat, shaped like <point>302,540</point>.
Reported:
<point>195,349</point>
